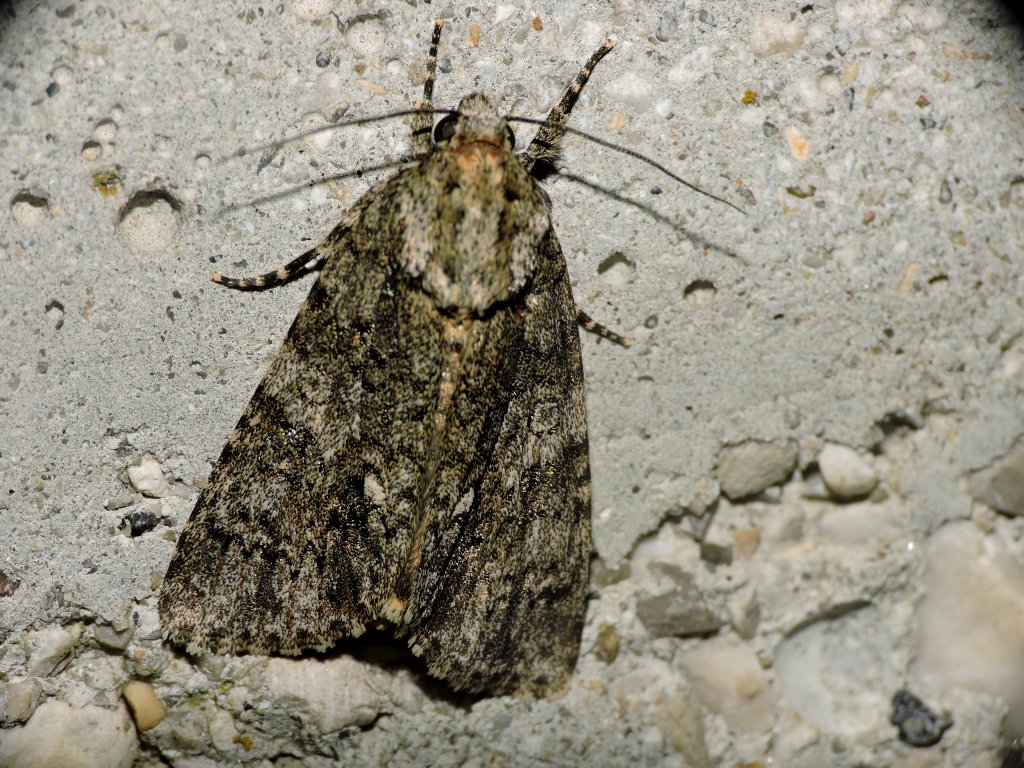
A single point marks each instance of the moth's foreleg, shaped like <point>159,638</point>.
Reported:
<point>423,121</point>
<point>543,150</point>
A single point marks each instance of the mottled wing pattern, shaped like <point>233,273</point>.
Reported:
<point>293,543</point>
<point>497,602</point>
<point>337,504</point>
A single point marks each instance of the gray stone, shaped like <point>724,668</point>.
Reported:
<point>108,637</point>
<point>678,612</point>
<point>751,467</point>
<point>1001,485</point>
<point>18,699</point>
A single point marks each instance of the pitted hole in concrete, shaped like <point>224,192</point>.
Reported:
<point>617,269</point>
<point>149,221</point>
<point>29,209</point>
<point>92,150</point>
<point>700,292</point>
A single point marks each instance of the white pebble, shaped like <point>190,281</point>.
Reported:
<point>336,693</point>
<point>633,91</point>
<point>18,699</point>
<point>310,10</point>
<point>924,19</point>
<point>971,618</point>
<point>846,474</point>
<point>47,647</point>
<point>329,100</point>
<point>223,732</point>
<point>773,36</point>
<point>149,225</point>
<point>729,680</point>
<point>58,734</point>
<point>148,478</point>
<point>503,13</point>
<point>694,65</point>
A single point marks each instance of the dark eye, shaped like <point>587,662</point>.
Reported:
<point>511,137</point>
<point>445,129</point>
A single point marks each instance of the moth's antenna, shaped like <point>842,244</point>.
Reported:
<point>659,217</point>
<point>631,153</point>
<point>357,173</point>
<point>243,151</point>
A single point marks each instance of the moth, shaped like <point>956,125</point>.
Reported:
<point>416,456</point>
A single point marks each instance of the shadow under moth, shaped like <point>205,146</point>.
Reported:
<point>416,456</point>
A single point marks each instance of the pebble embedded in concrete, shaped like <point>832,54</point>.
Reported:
<point>310,10</point>
<point>336,693</point>
<point>46,648</point>
<point>729,680</point>
<point>1001,485</point>
<point>633,91</point>
<point>775,37</point>
<point>18,699</point>
<point>971,618</point>
<point>146,707</point>
<point>112,638</point>
<point>58,734</point>
<point>846,473</point>
<point>753,466</point>
<point>680,611</point>
<point>147,477</point>
<point>837,673</point>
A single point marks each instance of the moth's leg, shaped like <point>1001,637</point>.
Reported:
<point>311,261</point>
<point>591,325</point>
<point>423,121</point>
<point>543,151</point>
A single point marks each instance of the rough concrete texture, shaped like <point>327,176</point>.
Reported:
<point>869,300</point>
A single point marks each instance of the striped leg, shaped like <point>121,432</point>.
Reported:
<point>423,121</point>
<point>591,325</point>
<point>540,157</point>
<point>311,261</point>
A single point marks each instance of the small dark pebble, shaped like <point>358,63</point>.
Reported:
<point>323,59</point>
<point>918,725</point>
<point>715,554</point>
<point>139,522</point>
<point>53,89</point>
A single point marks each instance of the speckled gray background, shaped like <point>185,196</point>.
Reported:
<point>870,297</point>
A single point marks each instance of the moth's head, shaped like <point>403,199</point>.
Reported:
<point>476,120</point>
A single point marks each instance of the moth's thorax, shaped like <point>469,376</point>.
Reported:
<point>474,218</point>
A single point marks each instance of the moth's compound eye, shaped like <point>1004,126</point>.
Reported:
<point>511,137</point>
<point>445,129</point>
